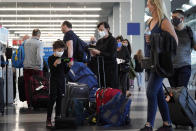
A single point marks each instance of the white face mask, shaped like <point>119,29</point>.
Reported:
<point>59,54</point>
<point>125,44</point>
<point>102,34</point>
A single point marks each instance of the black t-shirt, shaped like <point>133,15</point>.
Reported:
<point>108,47</point>
<point>70,35</point>
<point>57,79</point>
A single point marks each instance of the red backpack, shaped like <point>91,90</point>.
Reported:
<point>105,95</point>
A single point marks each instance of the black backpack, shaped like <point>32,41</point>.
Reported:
<point>190,33</point>
<point>82,52</point>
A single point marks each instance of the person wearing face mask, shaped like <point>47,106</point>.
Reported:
<point>33,60</point>
<point>182,60</point>
<point>58,69</point>
<point>123,60</point>
<point>130,80</point>
<point>127,44</point>
<point>155,95</point>
<point>106,47</point>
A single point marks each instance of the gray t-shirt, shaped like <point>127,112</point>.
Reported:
<point>183,56</point>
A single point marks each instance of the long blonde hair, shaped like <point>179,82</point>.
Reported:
<point>160,9</point>
<point>139,55</point>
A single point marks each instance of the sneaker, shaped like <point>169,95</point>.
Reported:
<point>165,128</point>
<point>146,128</point>
<point>49,124</point>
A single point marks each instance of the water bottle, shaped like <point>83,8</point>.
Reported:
<point>1,72</point>
<point>147,31</point>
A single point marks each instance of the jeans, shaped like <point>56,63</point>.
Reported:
<point>156,97</point>
<point>181,76</point>
<point>139,79</point>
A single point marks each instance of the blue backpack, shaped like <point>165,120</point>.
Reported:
<point>18,57</point>
<point>116,112</point>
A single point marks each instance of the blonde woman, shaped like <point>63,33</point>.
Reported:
<point>159,22</point>
<point>138,69</point>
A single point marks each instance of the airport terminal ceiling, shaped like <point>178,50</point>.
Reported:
<point>21,17</point>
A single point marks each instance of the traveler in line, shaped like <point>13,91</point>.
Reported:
<point>106,46</point>
<point>182,60</point>
<point>155,95</point>
<point>33,60</point>
<point>58,69</point>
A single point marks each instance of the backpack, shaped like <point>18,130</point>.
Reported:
<point>116,112</point>
<point>18,57</point>
<point>190,33</point>
<point>83,54</point>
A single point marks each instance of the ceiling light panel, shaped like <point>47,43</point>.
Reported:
<point>48,21</point>
<point>54,32</point>
<point>48,25</point>
<point>51,29</point>
<point>50,9</point>
<point>50,16</point>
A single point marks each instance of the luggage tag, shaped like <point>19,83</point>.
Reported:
<point>39,88</point>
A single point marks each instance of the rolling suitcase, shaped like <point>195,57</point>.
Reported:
<point>182,107</point>
<point>2,101</point>
<point>21,88</point>
<point>38,91</point>
<point>74,102</point>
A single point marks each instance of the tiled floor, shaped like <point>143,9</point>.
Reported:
<point>19,118</point>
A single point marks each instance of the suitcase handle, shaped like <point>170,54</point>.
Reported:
<point>103,69</point>
<point>187,102</point>
<point>172,98</point>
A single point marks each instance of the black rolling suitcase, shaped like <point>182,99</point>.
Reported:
<point>21,88</point>
<point>2,103</point>
<point>182,107</point>
<point>72,108</point>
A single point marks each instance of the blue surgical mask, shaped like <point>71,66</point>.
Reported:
<point>119,44</point>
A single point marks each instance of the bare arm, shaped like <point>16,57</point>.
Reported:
<point>167,26</point>
<point>70,48</point>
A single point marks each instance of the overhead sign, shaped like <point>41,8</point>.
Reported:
<point>16,42</point>
<point>133,28</point>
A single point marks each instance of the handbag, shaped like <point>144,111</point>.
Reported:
<point>125,67</point>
